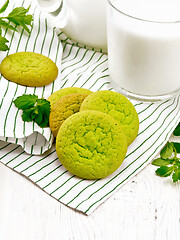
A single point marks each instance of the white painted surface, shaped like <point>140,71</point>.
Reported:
<point>146,208</point>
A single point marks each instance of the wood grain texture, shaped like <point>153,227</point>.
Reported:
<point>146,208</point>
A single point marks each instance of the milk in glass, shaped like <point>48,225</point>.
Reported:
<point>144,46</point>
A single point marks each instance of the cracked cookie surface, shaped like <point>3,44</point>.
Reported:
<point>29,69</point>
<point>64,108</point>
<point>53,98</point>
<point>118,107</point>
<point>91,144</point>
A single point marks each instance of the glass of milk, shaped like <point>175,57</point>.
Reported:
<point>144,48</point>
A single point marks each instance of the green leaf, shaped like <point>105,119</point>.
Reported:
<point>7,25</point>
<point>39,118</point>
<point>34,109</point>
<point>45,121</point>
<point>27,115</point>
<point>25,101</point>
<point>164,171</point>
<point>177,130</point>
<point>3,8</point>
<point>34,113</point>
<point>167,151</point>
<point>18,16</point>
<point>42,119</point>
<point>161,162</point>
<point>44,108</point>
<point>28,19</point>
<point>44,104</point>
<point>177,146</point>
<point>176,175</point>
<point>164,160</point>
<point>18,13</point>
<point>3,46</point>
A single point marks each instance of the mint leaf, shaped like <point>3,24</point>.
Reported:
<point>167,151</point>
<point>25,101</point>
<point>7,25</point>
<point>28,19</point>
<point>164,171</point>
<point>176,175</point>
<point>39,118</point>
<point>3,46</point>
<point>28,115</point>
<point>44,111</point>
<point>34,109</point>
<point>43,103</point>
<point>3,8</point>
<point>161,162</point>
<point>177,130</point>
<point>18,16</point>
<point>177,146</point>
<point>168,156</point>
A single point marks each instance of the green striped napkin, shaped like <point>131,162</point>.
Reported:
<point>43,39</point>
<point>85,68</point>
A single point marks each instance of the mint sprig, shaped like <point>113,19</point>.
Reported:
<point>177,130</point>
<point>18,17</point>
<point>3,45</point>
<point>34,109</point>
<point>3,8</point>
<point>169,163</point>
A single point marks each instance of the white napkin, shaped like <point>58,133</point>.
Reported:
<point>85,68</point>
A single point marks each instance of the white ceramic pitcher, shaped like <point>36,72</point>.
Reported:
<point>82,20</point>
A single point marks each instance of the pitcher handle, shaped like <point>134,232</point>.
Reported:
<point>56,11</point>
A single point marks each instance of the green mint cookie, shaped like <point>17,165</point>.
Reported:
<point>91,144</point>
<point>118,107</point>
